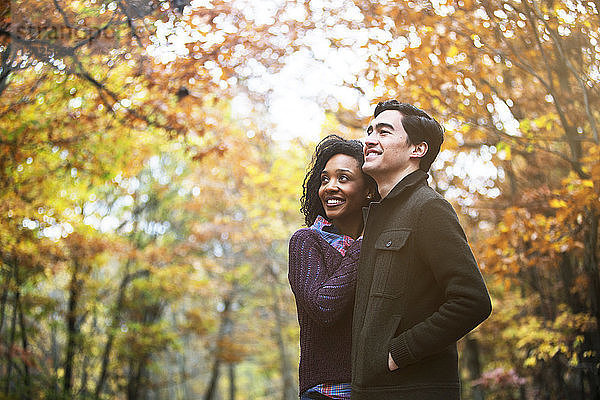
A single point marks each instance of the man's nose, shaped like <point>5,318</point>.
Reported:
<point>370,140</point>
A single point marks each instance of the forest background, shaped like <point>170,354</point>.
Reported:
<point>145,205</point>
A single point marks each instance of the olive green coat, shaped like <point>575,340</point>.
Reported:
<point>419,290</point>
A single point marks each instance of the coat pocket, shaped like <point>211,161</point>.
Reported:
<point>392,257</point>
<point>393,330</point>
<point>373,368</point>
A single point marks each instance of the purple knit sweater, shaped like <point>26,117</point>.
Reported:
<point>323,282</point>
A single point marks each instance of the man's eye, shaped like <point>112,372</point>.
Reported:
<point>324,178</point>
<point>343,178</point>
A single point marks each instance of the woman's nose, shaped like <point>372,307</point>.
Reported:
<point>331,186</point>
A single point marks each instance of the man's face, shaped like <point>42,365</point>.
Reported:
<point>388,154</point>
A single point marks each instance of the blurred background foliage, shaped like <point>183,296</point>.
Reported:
<point>145,211</point>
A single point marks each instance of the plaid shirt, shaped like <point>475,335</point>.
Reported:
<point>331,235</point>
<point>339,391</point>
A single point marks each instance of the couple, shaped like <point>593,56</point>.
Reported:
<point>382,299</point>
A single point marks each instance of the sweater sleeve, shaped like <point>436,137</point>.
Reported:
<point>322,280</point>
<point>442,243</point>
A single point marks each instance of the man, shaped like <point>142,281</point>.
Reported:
<point>419,289</point>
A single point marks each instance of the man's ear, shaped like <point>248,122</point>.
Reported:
<point>419,150</point>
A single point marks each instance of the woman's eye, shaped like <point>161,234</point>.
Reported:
<point>343,178</point>
<point>324,179</point>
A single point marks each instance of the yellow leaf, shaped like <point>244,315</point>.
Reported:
<point>556,203</point>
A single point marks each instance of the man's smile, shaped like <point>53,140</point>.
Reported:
<point>371,153</point>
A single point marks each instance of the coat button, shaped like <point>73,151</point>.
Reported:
<point>388,244</point>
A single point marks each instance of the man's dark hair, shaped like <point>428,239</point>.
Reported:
<point>419,126</point>
<point>310,204</point>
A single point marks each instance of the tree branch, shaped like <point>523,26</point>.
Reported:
<point>573,70</point>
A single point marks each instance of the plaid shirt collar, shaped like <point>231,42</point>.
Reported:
<point>332,235</point>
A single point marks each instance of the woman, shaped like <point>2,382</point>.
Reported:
<point>323,260</point>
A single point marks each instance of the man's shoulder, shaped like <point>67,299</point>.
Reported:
<point>422,195</point>
<point>427,192</point>
<point>409,208</point>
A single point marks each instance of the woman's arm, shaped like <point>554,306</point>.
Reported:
<point>322,280</point>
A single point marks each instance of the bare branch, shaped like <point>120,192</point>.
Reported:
<point>66,18</point>
<point>130,23</point>
<point>571,67</point>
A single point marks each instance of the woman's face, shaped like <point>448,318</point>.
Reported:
<point>343,189</point>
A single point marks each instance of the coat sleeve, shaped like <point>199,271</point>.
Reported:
<point>442,244</point>
<point>322,281</point>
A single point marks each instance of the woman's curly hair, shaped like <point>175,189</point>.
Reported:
<point>310,204</point>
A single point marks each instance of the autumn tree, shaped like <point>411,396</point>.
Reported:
<point>88,89</point>
<point>516,84</point>
<point>251,208</point>
<point>143,223</point>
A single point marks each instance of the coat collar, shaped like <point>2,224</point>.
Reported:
<point>412,179</point>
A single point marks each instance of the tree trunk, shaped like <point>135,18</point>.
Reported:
<point>55,360</point>
<point>183,378</point>
<point>183,372</point>
<point>224,327</point>
<point>591,261</point>
<point>105,360</point>
<point>214,379</point>
<point>85,364</point>
<point>591,269</point>
<point>473,364</point>
<point>24,344</point>
<point>72,330</point>
<point>6,68</point>
<point>567,275</point>
<point>514,186</point>
<point>231,367</point>
<point>127,278</point>
<point>3,301</point>
<point>9,349</point>
<point>136,372</point>
<point>289,391</point>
